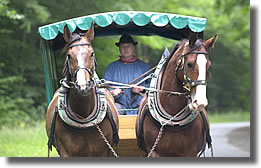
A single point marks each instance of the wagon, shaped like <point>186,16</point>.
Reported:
<point>166,25</point>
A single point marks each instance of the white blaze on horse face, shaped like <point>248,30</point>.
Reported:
<point>200,97</point>
<point>81,77</point>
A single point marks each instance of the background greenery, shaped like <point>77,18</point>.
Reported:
<point>22,90</point>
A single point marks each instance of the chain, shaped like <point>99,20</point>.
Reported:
<point>161,130</point>
<point>156,142</point>
<point>106,141</point>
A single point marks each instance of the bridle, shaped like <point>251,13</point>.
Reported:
<point>188,83</point>
<point>74,73</point>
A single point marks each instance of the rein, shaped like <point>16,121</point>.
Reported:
<point>105,84</point>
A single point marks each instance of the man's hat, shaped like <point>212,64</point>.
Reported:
<point>126,39</point>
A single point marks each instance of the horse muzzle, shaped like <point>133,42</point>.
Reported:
<point>199,100</point>
<point>196,105</point>
<point>84,88</point>
<point>83,80</point>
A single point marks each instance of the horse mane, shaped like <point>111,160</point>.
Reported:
<point>174,49</point>
<point>65,68</point>
<point>197,44</point>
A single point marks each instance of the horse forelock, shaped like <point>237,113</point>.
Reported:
<point>65,68</point>
<point>75,37</point>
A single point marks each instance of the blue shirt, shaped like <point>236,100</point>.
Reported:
<point>125,73</point>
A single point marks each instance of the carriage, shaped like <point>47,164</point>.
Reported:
<point>138,23</point>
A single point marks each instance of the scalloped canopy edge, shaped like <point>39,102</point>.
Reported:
<point>123,18</point>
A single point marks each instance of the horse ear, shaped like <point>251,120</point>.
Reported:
<point>90,33</point>
<point>210,42</point>
<point>192,40</point>
<point>66,33</point>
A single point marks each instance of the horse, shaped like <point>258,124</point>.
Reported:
<point>174,123</point>
<point>78,123</point>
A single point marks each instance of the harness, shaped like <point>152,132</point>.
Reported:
<point>96,116</point>
<point>188,83</point>
<point>70,118</point>
<point>158,113</point>
<point>100,105</point>
<point>181,119</point>
<point>73,121</point>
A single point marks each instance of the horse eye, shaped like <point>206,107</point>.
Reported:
<point>190,65</point>
<point>93,54</point>
<point>69,56</point>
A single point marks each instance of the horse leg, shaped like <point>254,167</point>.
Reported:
<point>155,154</point>
<point>63,152</point>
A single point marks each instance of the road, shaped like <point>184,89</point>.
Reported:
<point>230,140</point>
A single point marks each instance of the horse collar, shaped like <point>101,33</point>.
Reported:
<point>72,120</point>
<point>159,114</point>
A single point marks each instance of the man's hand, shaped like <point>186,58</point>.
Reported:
<point>116,92</point>
<point>137,90</point>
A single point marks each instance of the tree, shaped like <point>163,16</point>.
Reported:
<point>22,90</point>
<point>20,99</point>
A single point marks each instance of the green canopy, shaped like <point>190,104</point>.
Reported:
<point>133,22</point>
<point>113,23</point>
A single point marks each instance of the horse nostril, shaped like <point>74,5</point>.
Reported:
<point>198,104</point>
<point>83,87</point>
<point>201,103</point>
<point>80,87</point>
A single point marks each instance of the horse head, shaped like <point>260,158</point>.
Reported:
<point>192,69</point>
<point>80,61</point>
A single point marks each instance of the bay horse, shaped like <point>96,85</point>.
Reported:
<point>74,124</point>
<point>184,118</point>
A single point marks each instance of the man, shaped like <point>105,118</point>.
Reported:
<point>125,70</point>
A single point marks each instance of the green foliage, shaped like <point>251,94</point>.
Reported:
<point>22,88</point>
<point>105,53</point>
<point>5,11</point>
<point>15,106</point>
<point>21,77</point>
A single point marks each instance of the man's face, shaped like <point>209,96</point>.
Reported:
<point>126,50</point>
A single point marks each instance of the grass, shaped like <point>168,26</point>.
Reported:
<point>24,142</point>
<point>31,141</point>
<point>240,116</point>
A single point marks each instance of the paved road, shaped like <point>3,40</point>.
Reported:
<point>230,140</point>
